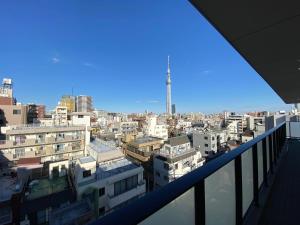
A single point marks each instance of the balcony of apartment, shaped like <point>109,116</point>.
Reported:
<point>258,182</point>
<point>239,187</point>
<point>31,142</point>
<point>50,150</point>
<point>38,128</point>
<point>115,200</point>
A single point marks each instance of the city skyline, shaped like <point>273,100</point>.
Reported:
<point>120,61</point>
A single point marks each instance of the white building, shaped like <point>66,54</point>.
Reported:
<point>155,129</point>
<point>61,115</point>
<point>183,124</point>
<point>125,126</point>
<point>256,124</point>
<point>110,180</point>
<point>175,159</point>
<point>81,118</point>
<point>235,124</point>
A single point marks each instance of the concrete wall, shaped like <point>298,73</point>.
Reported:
<point>60,166</point>
<point>9,118</point>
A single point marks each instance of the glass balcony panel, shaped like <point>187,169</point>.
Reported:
<point>268,154</point>
<point>295,129</point>
<point>260,163</point>
<point>220,196</point>
<point>287,133</point>
<point>247,179</point>
<point>179,211</point>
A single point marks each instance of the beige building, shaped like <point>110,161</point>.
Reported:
<point>13,115</point>
<point>141,151</point>
<point>47,143</point>
<point>69,102</point>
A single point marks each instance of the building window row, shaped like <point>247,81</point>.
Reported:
<point>125,185</point>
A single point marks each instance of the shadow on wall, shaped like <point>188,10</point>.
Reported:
<point>3,120</point>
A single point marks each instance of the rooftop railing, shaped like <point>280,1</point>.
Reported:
<point>221,192</point>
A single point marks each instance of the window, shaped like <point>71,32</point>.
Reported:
<point>166,166</point>
<point>206,138</point>
<point>101,191</point>
<point>213,138</point>
<point>176,166</point>
<point>20,152</point>
<point>101,211</point>
<point>206,145</point>
<point>125,185</point>
<point>59,147</point>
<point>17,112</point>
<point>80,116</point>
<point>86,173</point>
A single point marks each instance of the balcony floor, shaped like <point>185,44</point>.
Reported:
<point>282,207</point>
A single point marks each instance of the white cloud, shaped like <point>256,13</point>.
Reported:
<point>153,101</point>
<point>55,60</point>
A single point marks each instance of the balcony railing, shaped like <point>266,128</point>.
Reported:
<point>222,191</point>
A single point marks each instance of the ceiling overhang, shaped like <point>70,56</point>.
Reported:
<point>266,34</point>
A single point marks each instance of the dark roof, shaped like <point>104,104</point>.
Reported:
<point>34,160</point>
<point>179,140</point>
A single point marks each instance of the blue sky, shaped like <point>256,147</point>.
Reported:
<point>116,51</point>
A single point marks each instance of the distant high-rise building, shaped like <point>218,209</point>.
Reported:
<point>84,103</point>
<point>168,83</point>
<point>69,102</point>
<point>173,109</point>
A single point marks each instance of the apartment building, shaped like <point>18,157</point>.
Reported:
<point>175,159</point>
<point>236,124</point>
<point>69,102</point>
<point>127,126</point>
<point>84,103</point>
<point>155,129</point>
<point>209,142</point>
<point>109,179</point>
<point>60,116</point>
<point>13,114</point>
<point>49,143</point>
<point>141,151</point>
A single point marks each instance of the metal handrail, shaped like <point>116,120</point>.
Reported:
<point>144,207</point>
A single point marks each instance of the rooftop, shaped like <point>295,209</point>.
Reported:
<point>45,186</point>
<point>70,214</point>
<point>99,145</point>
<point>8,187</point>
<point>179,140</point>
<point>112,168</point>
<point>86,159</point>
<point>177,152</point>
<point>146,139</point>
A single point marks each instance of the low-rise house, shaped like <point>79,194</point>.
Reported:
<point>174,160</point>
<point>108,180</point>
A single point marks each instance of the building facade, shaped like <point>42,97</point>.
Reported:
<point>13,115</point>
<point>52,143</point>
<point>109,183</point>
<point>155,129</point>
<point>84,103</point>
<point>174,160</point>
